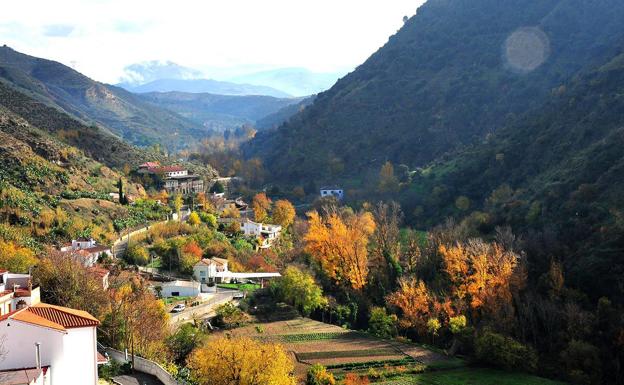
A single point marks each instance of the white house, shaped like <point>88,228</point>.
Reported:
<point>266,234</point>
<point>56,339</point>
<point>180,289</point>
<point>332,191</point>
<point>205,271</point>
<point>86,250</point>
<point>16,292</point>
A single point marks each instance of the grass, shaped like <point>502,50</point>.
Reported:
<point>469,376</point>
<point>171,300</point>
<point>240,286</point>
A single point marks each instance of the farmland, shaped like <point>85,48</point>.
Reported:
<point>386,362</point>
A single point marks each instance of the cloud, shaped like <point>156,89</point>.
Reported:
<point>58,30</point>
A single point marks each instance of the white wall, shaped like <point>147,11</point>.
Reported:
<point>71,355</point>
<point>184,291</point>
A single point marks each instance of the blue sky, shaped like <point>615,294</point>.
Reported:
<point>221,37</point>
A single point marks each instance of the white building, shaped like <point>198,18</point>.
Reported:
<point>266,234</point>
<point>59,340</point>
<point>332,191</point>
<point>205,271</point>
<point>16,292</point>
<point>86,250</point>
<point>180,289</point>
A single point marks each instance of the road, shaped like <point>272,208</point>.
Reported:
<point>137,379</point>
<point>205,310</point>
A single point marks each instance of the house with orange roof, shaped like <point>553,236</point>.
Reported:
<point>16,292</point>
<point>86,250</point>
<point>59,341</point>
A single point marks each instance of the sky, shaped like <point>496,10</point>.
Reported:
<point>220,37</point>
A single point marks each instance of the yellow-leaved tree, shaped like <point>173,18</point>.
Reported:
<point>283,213</point>
<point>341,245</point>
<point>240,361</point>
<point>260,206</point>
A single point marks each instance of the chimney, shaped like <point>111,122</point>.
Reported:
<point>38,354</point>
<point>15,287</point>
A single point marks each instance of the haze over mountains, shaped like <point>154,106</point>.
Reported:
<point>157,76</point>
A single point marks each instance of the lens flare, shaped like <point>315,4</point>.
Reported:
<point>526,49</point>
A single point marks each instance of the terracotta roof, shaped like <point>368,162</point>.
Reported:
<point>99,271</point>
<point>209,261</point>
<point>3,271</point>
<point>101,359</point>
<point>54,317</point>
<point>19,376</point>
<point>166,169</point>
<point>150,164</point>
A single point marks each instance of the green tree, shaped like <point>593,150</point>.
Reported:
<point>217,188</point>
<point>300,290</point>
<point>382,324</point>
<point>137,255</point>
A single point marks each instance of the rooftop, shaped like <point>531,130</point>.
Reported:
<point>20,376</point>
<point>54,317</point>
<point>210,261</point>
<point>182,283</point>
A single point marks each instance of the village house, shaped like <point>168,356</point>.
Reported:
<point>53,342</point>
<point>86,250</point>
<point>174,179</point>
<point>265,233</point>
<point>16,292</point>
<point>101,274</point>
<point>215,270</point>
<point>332,191</point>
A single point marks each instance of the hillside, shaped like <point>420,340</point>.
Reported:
<point>95,142</point>
<point>94,103</point>
<point>555,176</point>
<point>204,86</point>
<point>281,116</point>
<point>218,112</point>
<point>456,71</point>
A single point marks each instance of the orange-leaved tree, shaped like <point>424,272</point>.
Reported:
<point>283,213</point>
<point>260,206</point>
<point>341,245</point>
<point>414,301</point>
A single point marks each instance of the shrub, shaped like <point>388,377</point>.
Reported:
<point>505,352</point>
<point>318,375</point>
<point>382,324</point>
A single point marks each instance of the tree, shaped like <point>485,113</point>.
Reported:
<point>194,219</point>
<point>382,324</point>
<point>181,343</point>
<point>318,375</point>
<point>66,282</point>
<point>386,243</point>
<point>388,182</point>
<point>241,361</point>
<point>483,276</point>
<point>15,258</point>
<point>176,204</point>
<point>122,197</point>
<point>341,246</point>
<point>135,318</point>
<point>190,255</point>
<point>260,206</point>
<point>230,316</point>
<point>414,301</point>
<point>433,327</point>
<point>217,188</point>
<point>299,289</point>
<point>283,213</point>
<point>137,254</point>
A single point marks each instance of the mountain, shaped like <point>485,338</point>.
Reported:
<point>455,72</point>
<point>96,143</point>
<point>555,175</point>
<point>204,86</point>
<point>276,119</point>
<point>145,72</point>
<point>218,112</point>
<point>93,102</point>
<point>295,81</point>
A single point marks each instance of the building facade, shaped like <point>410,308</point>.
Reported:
<point>16,292</point>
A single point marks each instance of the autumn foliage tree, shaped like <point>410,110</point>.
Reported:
<point>16,258</point>
<point>241,361</point>
<point>283,213</point>
<point>340,245</point>
<point>260,206</point>
<point>483,276</point>
<point>415,303</point>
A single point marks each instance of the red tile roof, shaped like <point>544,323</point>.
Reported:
<point>54,317</point>
<point>166,169</point>
<point>101,359</point>
<point>19,376</point>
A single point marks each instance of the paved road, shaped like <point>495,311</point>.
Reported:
<point>137,379</point>
<point>205,310</point>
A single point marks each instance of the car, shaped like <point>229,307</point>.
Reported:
<point>238,295</point>
<point>178,308</point>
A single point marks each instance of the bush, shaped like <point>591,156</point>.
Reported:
<point>137,255</point>
<point>318,375</point>
<point>381,324</point>
<point>505,352</point>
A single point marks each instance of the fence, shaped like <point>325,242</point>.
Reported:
<point>145,366</point>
